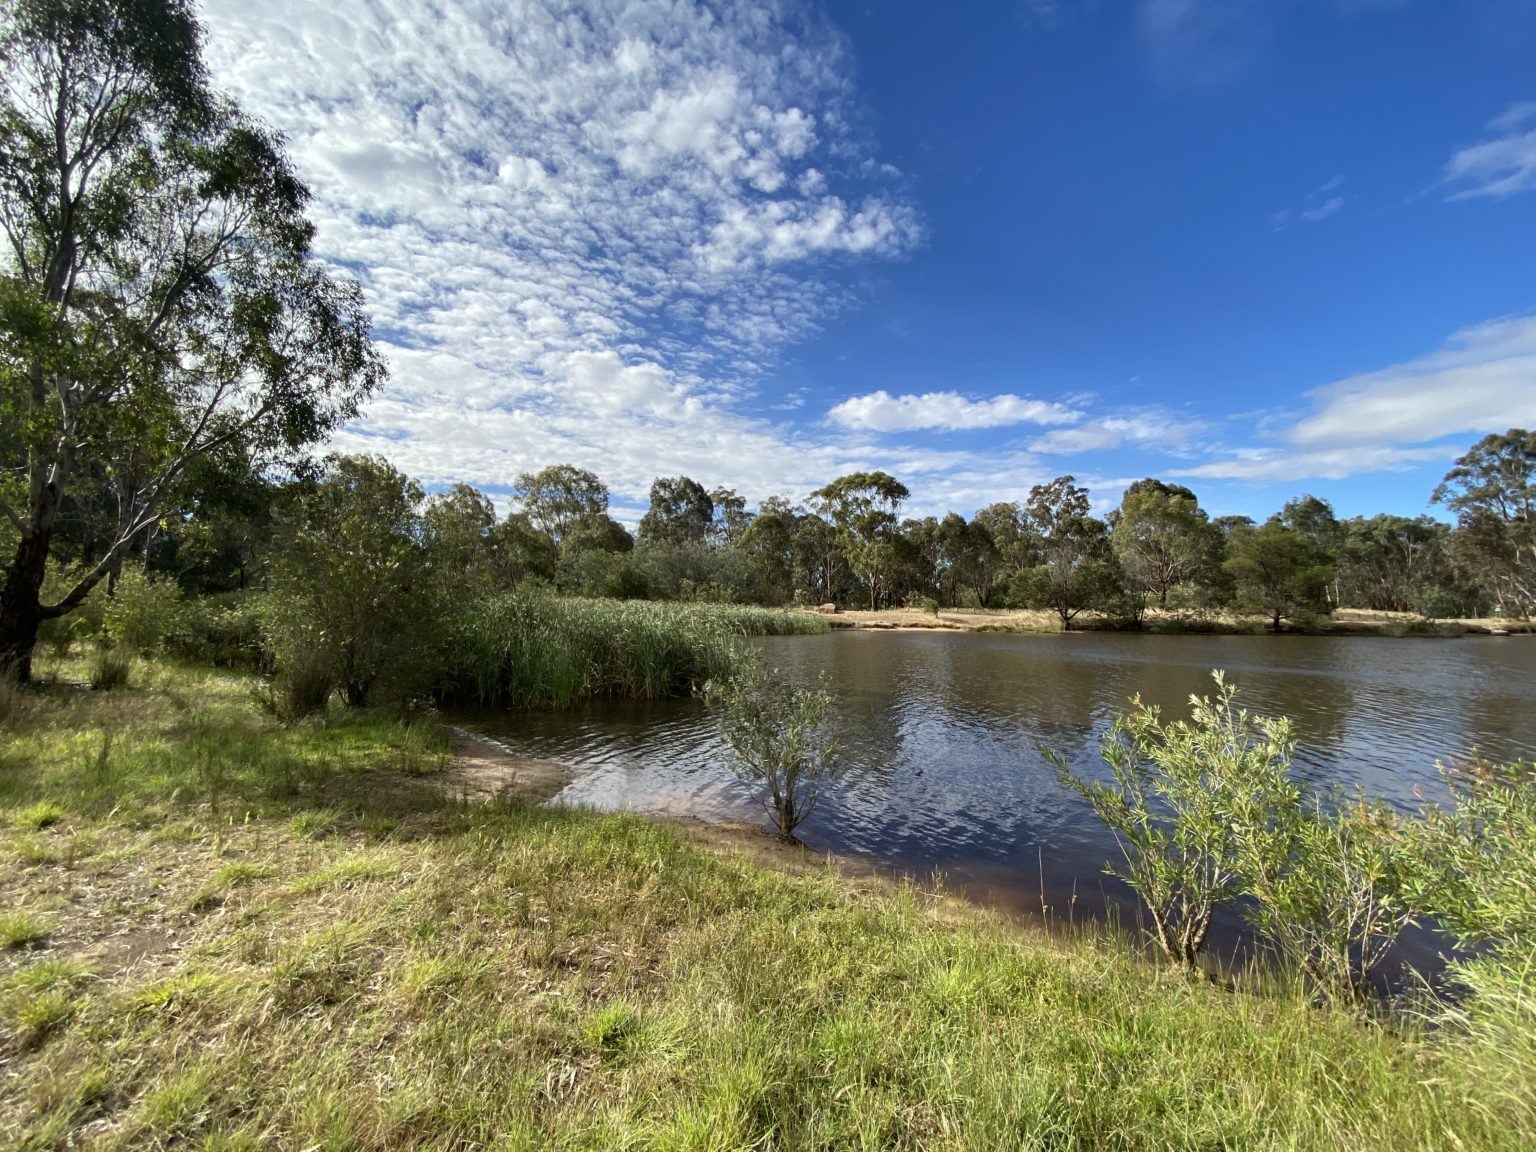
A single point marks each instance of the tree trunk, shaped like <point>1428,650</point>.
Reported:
<point>21,609</point>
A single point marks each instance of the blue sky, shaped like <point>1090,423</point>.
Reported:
<point>1263,246</point>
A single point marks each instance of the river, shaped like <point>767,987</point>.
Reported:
<point>943,733</point>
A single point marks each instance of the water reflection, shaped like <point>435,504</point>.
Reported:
<point>944,733</point>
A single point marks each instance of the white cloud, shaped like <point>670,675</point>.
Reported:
<point>947,411</point>
<point>1483,380</point>
<point>1501,165</point>
<point>583,234</point>
<point>1324,210</point>
<point>1313,207</point>
<point>1147,427</point>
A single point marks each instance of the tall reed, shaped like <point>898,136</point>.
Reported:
<point>530,651</point>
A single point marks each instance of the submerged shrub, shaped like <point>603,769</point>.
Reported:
<point>779,739</point>
<point>1326,880</point>
<point>1170,802</point>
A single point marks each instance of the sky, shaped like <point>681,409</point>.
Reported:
<point>1258,247</point>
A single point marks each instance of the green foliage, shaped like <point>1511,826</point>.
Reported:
<point>1078,571</point>
<point>159,294</point>
<point>224,630</point>
<point>1477,871</point>
<point>681,512</point>
<point>1172,799</point>
<point>1162,538</point>
<point>1492,490</point>
<point>561,498</point>
<point>529,650</point>
<point>1279,571</point>
<point>143,610</point>
<point>351,589</point>
<point>863,508</point>
<point>779,737</point>
<point>1327,882</point>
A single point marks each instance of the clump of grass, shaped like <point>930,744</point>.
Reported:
<point>111,669</point>
<point>37,816</point>
<point>534,651</point>
<point>21,930</point>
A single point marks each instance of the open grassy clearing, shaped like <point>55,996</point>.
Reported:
<point>221,933</point>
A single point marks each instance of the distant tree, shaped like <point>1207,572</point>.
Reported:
<point>681,512</point>
<point>520,552</point>
<point>1162,538</point>
<point>559,498</point>
<point>158,296</point>
<point>1078,571</point>
<point>731,519</point>
<point>1492,490</point>
<point>968,559</point>
<point>1314,518</point>
<point>1278,571</point>
<point>457,527</point>
<point>768,543</point>
<point>1394,564</point>
<point>863,508</point>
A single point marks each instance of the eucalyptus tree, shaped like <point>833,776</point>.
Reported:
<point>1278,571</point>
<point>560,499</point>
<point>863,508</point>
<point>158,296</point>
<point>1492,490</point>
<point>1077,570</point>
<point>681,512</point>
<point>1162,537</point>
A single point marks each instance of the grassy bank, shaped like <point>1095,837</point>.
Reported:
<point>220,933</point>
<point>547,652</point>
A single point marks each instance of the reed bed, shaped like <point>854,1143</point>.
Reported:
<point>529,651</point>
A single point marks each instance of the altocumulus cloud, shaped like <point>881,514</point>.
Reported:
<point>582,234</point>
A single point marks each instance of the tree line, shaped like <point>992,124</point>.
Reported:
<point>171,353</point>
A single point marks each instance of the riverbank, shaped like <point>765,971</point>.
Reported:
<point>1344,622</point>
<point>225,933</point>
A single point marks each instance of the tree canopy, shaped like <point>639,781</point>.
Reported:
<point>158,295</point>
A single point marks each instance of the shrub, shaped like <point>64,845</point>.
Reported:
<point>1170,802</point>
<point>1326,882</point>
<point>300,689</point>
<point>143,609</point>
<point>224,630</point>
<point>779,739</point>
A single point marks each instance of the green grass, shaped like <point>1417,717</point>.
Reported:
<point>546,652</point>
<point>386,968</point>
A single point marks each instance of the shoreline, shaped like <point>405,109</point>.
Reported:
<point>1033,621</point>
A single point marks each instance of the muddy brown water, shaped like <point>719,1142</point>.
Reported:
<point>943,735</point>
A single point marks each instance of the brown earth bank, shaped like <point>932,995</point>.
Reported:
<point>1344,622</point>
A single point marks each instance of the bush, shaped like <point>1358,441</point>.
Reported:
<point>1174,791</point>
<point>142,611</point>
<point>224,630</point>
<point>299,690</point>
<point>778,738</point>
<point>1326,880</point>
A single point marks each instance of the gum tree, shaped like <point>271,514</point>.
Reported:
<point>158,296</point>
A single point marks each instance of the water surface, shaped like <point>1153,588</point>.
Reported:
<point>943,733</point>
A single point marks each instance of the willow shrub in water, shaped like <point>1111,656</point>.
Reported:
<point>1170,802</point>
<point>530,650</point>
<point>779,739</point>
